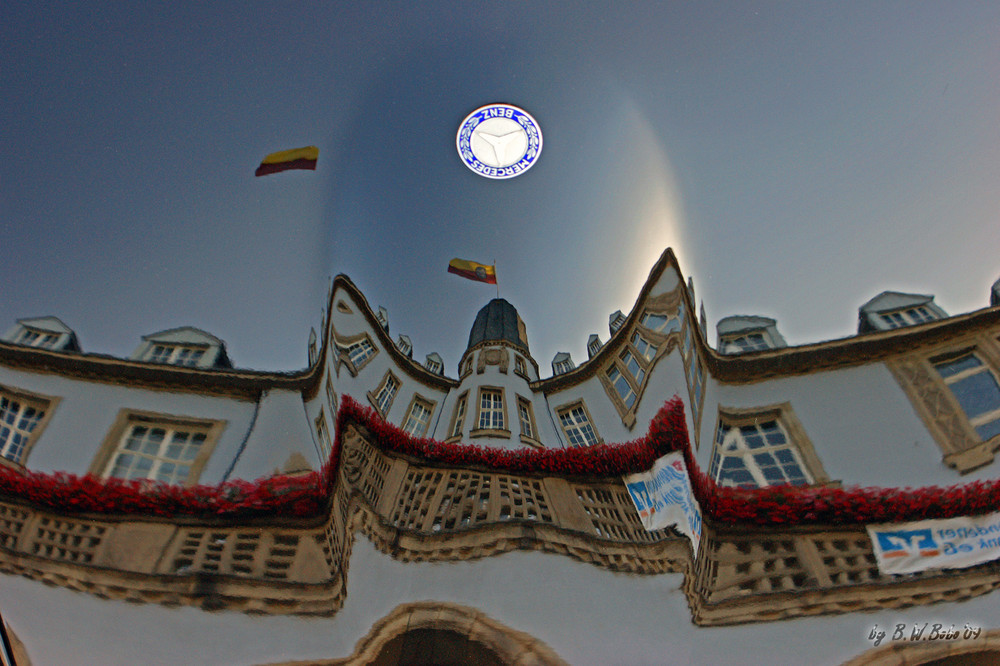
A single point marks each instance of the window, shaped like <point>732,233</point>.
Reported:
<point>492,413</point>
<point>660,323</point>
<point>907,316</point>
<point>434,366</point>
<point>185,355</point>
<point>526,415</point>
<point>519,366</point>
<point>467,366</point>
<point>404,345</point>
<point>323,438</point>
<point>360,352</point>
<point>36,338</point>
<point>593,346</point>
<point>754,456</point>
<point>418,417</point>
<point>386,393</point>
<point>331,395</point>
<point>563,366</point>
<point>758,448</point>
<point>957,395</point>
<point>645,348</point>
<point>158,451</point>
<point>161,447</point>
<point>622,386</point>
<point>745,343</point>
<point>576,423</point>
<point>458,420</point>
<point>976,390</point>
<point>615,321</point>
<point>22,418</point>
<point>625,377</point>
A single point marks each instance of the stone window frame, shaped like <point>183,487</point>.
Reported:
<point>795,434</point>
<point>531,437</point>
<point>503,430</point>
<point>347,344</point>
<point>618,364</point>
<point>323,440</point>
<point>694,372</point>
<point>520,367</point>
<point>375,397</point>
<point>126,418</point>
<point>427,404</point>
<point>961,446</point>
<point>466,368</point>
<point>569,407</point>
<point>457,423</point>
<point>46,403</point>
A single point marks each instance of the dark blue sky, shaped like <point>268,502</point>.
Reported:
<point>799,157</point>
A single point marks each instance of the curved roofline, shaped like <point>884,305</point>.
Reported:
<point>405,363</point>
<point>745,368</point>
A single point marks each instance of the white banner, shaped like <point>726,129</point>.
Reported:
<point>951,543</point>
<point>663,497</point>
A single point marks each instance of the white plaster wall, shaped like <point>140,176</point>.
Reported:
<point>586,614</point>
<point>282,429</point>
<point>84,416</point>
<point>861,423</point>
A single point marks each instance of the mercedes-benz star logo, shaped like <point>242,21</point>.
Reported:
<point>499,141</point>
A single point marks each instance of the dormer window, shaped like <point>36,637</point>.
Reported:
<point>42,333</point>
<point>176,354</point>
<point>593,346</point>
<point>34,338</point>
<point>404,346</point>
<point>184,346</point>
<point>893,309</point>
<point>615,321</point>
<point>740,334</point>
<point>907,317</point>
<point>745,343</point>
<point>434,364</point>
<point>562,363</point>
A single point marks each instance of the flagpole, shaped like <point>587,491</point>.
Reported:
<point>495,280</point>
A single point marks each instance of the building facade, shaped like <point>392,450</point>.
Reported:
<point>375,509</point>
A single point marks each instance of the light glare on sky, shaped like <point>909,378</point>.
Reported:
<point>799,157</point>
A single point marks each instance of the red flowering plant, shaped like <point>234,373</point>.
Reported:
<point>309,494</point>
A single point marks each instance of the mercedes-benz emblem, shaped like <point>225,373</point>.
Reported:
<point>499,141</point>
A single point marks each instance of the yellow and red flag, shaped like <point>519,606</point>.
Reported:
<point>473,271</point>
<point>297,158</point>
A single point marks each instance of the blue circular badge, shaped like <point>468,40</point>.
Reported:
<point>499,141</point>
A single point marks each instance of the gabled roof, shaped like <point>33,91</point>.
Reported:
<point>53,324</point>
<point>738,323</point>
<point>193,336</point>
<point>185,334</point>
<point>893,300</point>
